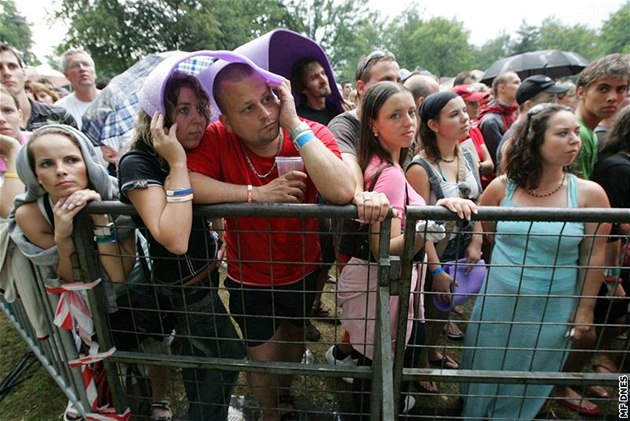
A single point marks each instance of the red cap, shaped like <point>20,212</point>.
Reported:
<point>469,93</point>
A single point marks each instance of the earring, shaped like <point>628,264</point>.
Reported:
<point>375,134</point>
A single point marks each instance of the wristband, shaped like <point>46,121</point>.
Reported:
<point>303,138</point>
<point>106,239</point>
<point>612,280</point>
<point>179,199</point>
<point>105,231</point>
<point>437,271</point>
<point>250,193</point>
<point>179,192</point>
<point>11,175</point>
<point>302,127</point>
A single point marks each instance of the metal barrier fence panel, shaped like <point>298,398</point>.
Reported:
<point>175,337</point>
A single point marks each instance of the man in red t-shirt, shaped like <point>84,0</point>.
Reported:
<point>271,261</point>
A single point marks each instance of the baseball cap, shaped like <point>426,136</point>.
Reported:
<point>536,84</point>
<point>469,93</point>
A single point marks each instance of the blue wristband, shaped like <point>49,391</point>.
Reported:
<point>437,271</point>
<point>303,138</point>
<point>179,192</point>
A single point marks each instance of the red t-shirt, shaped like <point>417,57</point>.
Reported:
<point>261,251</point>
<point>477,137</point>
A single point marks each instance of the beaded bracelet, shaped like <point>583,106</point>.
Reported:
<point>11,175</point>
<point>437,271</point>
<point>179,199</point>
<point>303,138</point>
<point>179,192</point>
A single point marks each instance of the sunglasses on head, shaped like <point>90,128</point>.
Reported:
<point>376,55</point>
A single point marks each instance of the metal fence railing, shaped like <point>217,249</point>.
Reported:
<point>318,387</point>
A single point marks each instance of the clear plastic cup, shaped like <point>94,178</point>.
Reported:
<point>289,163</point>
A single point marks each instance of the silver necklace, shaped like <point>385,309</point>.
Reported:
<point>273,167</point>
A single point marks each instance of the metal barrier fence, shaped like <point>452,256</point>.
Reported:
<point>318,388</point>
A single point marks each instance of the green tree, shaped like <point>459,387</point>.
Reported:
<point>615,35</point>
<point>491,51</point>
<point>577,38</point>
<point>397,37</point>
<point>528,39</point>
<point>345,29</point>
<point>118,33</point>
<point>16,31</point>
<point>439,45</point>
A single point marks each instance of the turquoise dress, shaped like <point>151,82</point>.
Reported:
<point>526,333</point>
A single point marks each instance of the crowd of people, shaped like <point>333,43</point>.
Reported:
<point>394,139</point>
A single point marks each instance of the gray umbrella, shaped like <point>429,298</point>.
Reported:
<point>553,63</point>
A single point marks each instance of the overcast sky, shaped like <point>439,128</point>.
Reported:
<point>484,20</point>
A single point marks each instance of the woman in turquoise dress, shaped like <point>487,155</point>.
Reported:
<point>534,293</point>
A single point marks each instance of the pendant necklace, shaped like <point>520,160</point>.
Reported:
<point>273,167</point>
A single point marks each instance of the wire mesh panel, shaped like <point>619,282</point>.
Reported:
<point>521,356</point>
<point>347,341</point>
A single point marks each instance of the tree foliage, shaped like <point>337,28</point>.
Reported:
<point>439,45</point>
<point>615,36</point>
<point>345,29</point>
<point>119,32</point>
<point>15,30</point>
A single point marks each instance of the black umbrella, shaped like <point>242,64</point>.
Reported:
<point>552,63</point>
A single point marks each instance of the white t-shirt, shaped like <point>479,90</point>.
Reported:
<point>74,106</point>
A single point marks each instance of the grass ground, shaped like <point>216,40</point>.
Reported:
<point>36,397</point>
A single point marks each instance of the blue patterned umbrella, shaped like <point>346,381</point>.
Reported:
<point>110,120</point>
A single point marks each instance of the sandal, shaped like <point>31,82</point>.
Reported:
<point>604,365</point>
<point>599,392</point>
<point>292,414</point>
<point>324,314</point>
<point>446,362</point>
<point>162,406</point>
<point>458,309</point>
<point>576,402</point>
<point>320,311</point>
<point>453,332</point>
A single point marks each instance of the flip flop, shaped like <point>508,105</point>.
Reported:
<point>455,336</point>
<point>458,309</point>
<point>599,392</point>
<point>590,412</point>
<point>446,362</point>
<point>604,366</point>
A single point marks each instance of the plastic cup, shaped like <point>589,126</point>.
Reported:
<point>289,163</point>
